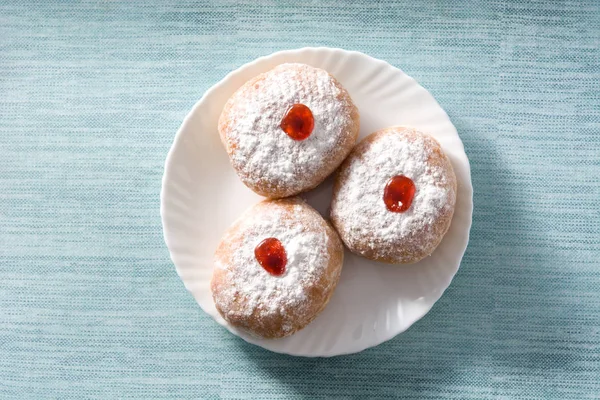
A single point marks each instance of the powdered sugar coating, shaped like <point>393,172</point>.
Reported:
<point>359,212</point>
<point>264,156</point>
<point>248,296</point>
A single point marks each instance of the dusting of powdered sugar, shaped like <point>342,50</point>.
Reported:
<point>261,150</point>
<point>359,204</point>
<point>306,245</point>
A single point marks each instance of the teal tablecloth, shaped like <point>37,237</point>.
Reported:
<point>91,94</point>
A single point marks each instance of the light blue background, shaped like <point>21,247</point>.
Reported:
<point>91,95</point>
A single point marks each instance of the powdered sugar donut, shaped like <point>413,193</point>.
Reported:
<point>287,129</point>
<point>276,268</point>
<point>394,196</point>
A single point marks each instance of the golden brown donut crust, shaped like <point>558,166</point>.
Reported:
<point>256,317</point>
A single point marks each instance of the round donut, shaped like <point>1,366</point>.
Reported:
<point>274,304</point>
<point>370,216</point>
<point>275,162</point>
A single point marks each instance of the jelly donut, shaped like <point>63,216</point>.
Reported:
<point>394,196</point>
<point>276,268</point>
<point>287,129</point>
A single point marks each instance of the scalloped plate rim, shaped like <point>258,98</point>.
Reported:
<point>222,83</point>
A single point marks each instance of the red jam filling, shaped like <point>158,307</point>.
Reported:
<point>298,122</point>
<point>271,255</point>
<point>398,193</point>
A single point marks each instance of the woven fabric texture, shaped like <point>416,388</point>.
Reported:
<point>91,95</point>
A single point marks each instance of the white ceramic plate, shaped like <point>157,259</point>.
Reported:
<point>201,196</point>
